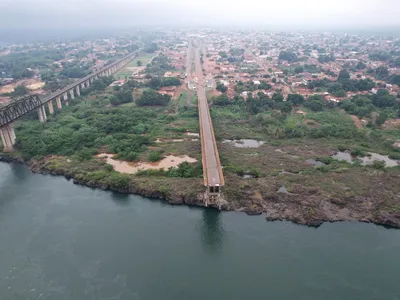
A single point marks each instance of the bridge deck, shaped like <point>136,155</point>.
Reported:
<point>212,169</point>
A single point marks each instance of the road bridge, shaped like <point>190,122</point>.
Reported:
<point>20,107</point>
<point>212,170</point>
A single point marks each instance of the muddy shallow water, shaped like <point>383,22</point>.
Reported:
<point>244,143</point>
<point>367,160</point>
<point>132,168</point>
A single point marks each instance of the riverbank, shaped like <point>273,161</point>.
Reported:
<point>299,205</point>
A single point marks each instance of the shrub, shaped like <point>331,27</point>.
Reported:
<point>325,159</point>
<point>358,152</point>
<point>155,156</point>
<point>342,148</point>
<point>378,164</point>
<point>394,155</point>
<point>109,168</point>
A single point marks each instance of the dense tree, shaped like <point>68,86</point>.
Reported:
<point>381,72</point>
<point>314,105</point>
<point>139,63</point>
<point>288,56</point>
<point>223,54</point>
<point>383,99</point>
<point>19,91</point>
<point>221,87</point>
<point>335,88</point>
<point>299,69</point>
<point>277,97</point>
<point>326,58</point>
<point>155,82</point>
<point>286,108</point>
<point>381,118</point>
<point>343,75</point>
<point>222,100</point>
<point>151,48</point>
<point>152,98</point>
<point>295,99</point>
<point>380,56</point>
<point>16,65</point>
<point>159,65</point>
<point>361,66</point>
<point>395,79</point>
<point>264,85</point>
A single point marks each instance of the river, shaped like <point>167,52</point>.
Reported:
<point>61,241</point>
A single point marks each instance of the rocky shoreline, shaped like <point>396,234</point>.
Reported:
<point>278,207</point>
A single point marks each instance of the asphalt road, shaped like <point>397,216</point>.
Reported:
<point>213,172</point>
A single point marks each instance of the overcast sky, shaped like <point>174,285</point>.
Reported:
<point>284,14</point>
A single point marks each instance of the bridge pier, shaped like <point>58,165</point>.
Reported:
<point>66,99</point>
<point>50,105</point>
<point>78,91</point>
<point>82,85</point>
<point>88,83</point>
<point>71,92</point>
<point>42,114</point>
<point>7,137</point>
<point>58,102</point>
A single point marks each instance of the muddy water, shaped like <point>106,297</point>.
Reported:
<point>59,241</point>
<point>131,168</point>
<point>367,160</point>
<point>315,163</point>
<point>245,143</point>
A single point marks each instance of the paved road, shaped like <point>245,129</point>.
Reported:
<point>211,164</point>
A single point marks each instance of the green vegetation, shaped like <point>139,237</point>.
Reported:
<point>184,170</point>
<point>19,91</point>
<point>141,60</point>
<point>16,65</point>
<point>159,82</point>
<point>288,56</point>
<point>152,98</point>
<point>155,156</point>
<point>159,65</point>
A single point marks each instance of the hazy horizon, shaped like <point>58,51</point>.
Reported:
<point>73,17</point>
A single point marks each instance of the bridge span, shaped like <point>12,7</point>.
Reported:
<point>20,107</point>
<point>212,170</point>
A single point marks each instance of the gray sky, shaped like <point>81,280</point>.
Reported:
<point>301,14</point>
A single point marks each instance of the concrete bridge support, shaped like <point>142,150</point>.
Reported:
<point>42,114</point>
<point>82,85</point>
<point>58,102</point>
<point>66,99</point>
<point>51,108</point>
<point>78,91</point>
<point>7,137</point>
<point>71,92</point>
<point>87,83</point>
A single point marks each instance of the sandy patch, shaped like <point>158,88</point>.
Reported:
<point>36,86</point>
<point>7,89</point>
<point>193,134</point>
<point>392,124</point>
<point>132,168</point>
<point>357,122</point>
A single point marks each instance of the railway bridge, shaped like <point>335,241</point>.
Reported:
<point>212,170</point>
<point>20,107</point>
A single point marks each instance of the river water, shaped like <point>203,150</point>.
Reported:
<point>61,241</point>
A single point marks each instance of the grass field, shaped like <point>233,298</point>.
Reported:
<point>145,58</point>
